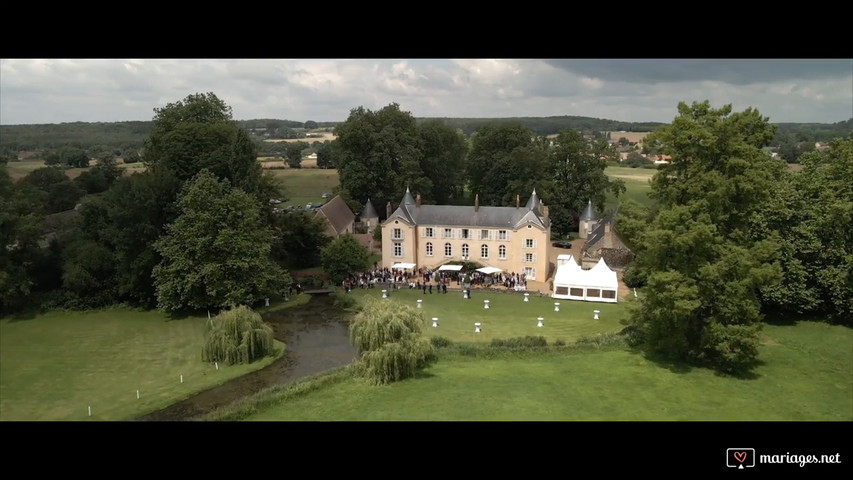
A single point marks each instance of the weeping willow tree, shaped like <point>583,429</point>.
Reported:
<point>389,342</point>
<point>237,336</point>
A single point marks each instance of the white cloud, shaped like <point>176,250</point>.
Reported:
<point>65,90</point>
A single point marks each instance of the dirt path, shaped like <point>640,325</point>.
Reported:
<point>317,339</point>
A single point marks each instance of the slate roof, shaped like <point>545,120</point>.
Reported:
<point>465,215</point>
<point>598,238</point>
<point>368,211</point>
<point>588,213</point>
<point>337,213</point>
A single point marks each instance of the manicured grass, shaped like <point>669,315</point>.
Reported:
<point>806,375</point>
<point>508,315</point>
<point>304,185</point>
<point>56,365</point>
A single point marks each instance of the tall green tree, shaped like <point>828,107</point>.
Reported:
<point>343,257</point>
<point>445,150</point>
<point>21,216</point>
<point>127,220</point>
<point>489,166</point>
<point>810,217</point>
<point>704,270</point>
<point>327,154</point>
<point>217,252</point>
<point>576,170</point>
<point>380,156</point>
<point>298,239</point>
<point>199,133</point>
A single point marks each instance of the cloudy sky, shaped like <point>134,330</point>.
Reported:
<point>635,90</point>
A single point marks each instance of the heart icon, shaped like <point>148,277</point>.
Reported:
<point>740,456</point>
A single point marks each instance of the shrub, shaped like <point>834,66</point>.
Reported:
<point>559,342</point>
<point>440,342</point>
<point>237,336</point>
<point>520,342</point>
<point>343,300</point>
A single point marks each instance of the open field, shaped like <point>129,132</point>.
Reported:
<point>306,185</point>
<point>636,184</point>
<point>806,375</point>
<point>56,365</point>
<point>323,136</point>
<point>20,169</point>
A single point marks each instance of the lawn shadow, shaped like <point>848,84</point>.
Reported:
<point>28,314</point>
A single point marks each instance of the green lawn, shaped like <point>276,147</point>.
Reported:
<point>304,185</point>
<point>508,315</point>
<point>56,365</point>
<point>636,184</point>
<point>806,375</point>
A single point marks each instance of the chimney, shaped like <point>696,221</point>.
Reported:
<point>388,210</point>
<point>418,200</point>
<point>517,201</point>
<point>477,202</point>
<point>545,213</point>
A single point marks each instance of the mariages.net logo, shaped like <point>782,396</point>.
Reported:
<point>742,458</point>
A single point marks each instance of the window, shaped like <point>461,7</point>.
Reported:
<point>484,234</point>
<point>529,273</point>
<point>562,291</point>
<point>398,249</point>
<point>465,251</point>
<point>576,292</point>
<point>448,250</point>
<point>465,233</point>
<point>502,235</point>
<point>448,233</point>
<point>529,243</point>
<point>429,232</point>
<point>593,292</point>
<point>608,294</point>
<point>429,249</point>
<point>484,251</point>
<point>398,234</point>
<point>529,258</point>
<point>502,252</point>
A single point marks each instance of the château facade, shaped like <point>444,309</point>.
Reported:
<point>514,239</point>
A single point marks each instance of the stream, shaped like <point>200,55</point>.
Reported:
<point>317,339</point>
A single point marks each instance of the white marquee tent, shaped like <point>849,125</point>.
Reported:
<point>571,282</point>
<point>453,268</point>
<point>489,270</point>
<point>402,266</point>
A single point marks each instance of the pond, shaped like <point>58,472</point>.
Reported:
<point>317,339</point>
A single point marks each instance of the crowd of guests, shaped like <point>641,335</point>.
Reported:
<point>426,279</point>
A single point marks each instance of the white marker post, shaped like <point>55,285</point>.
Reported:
<point>556,306</point>
<point>541,320</point>
<point>182,379</point>
<point>217,365</point>
<point>420,304</point>
<point>526,297</point>
<point>596,312</point>
<point>486,304</point>
<point>435,322</point>
<point>137,394</point>
<point>477,327</point>
<point>384,293</point>
<point>90,410</point>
